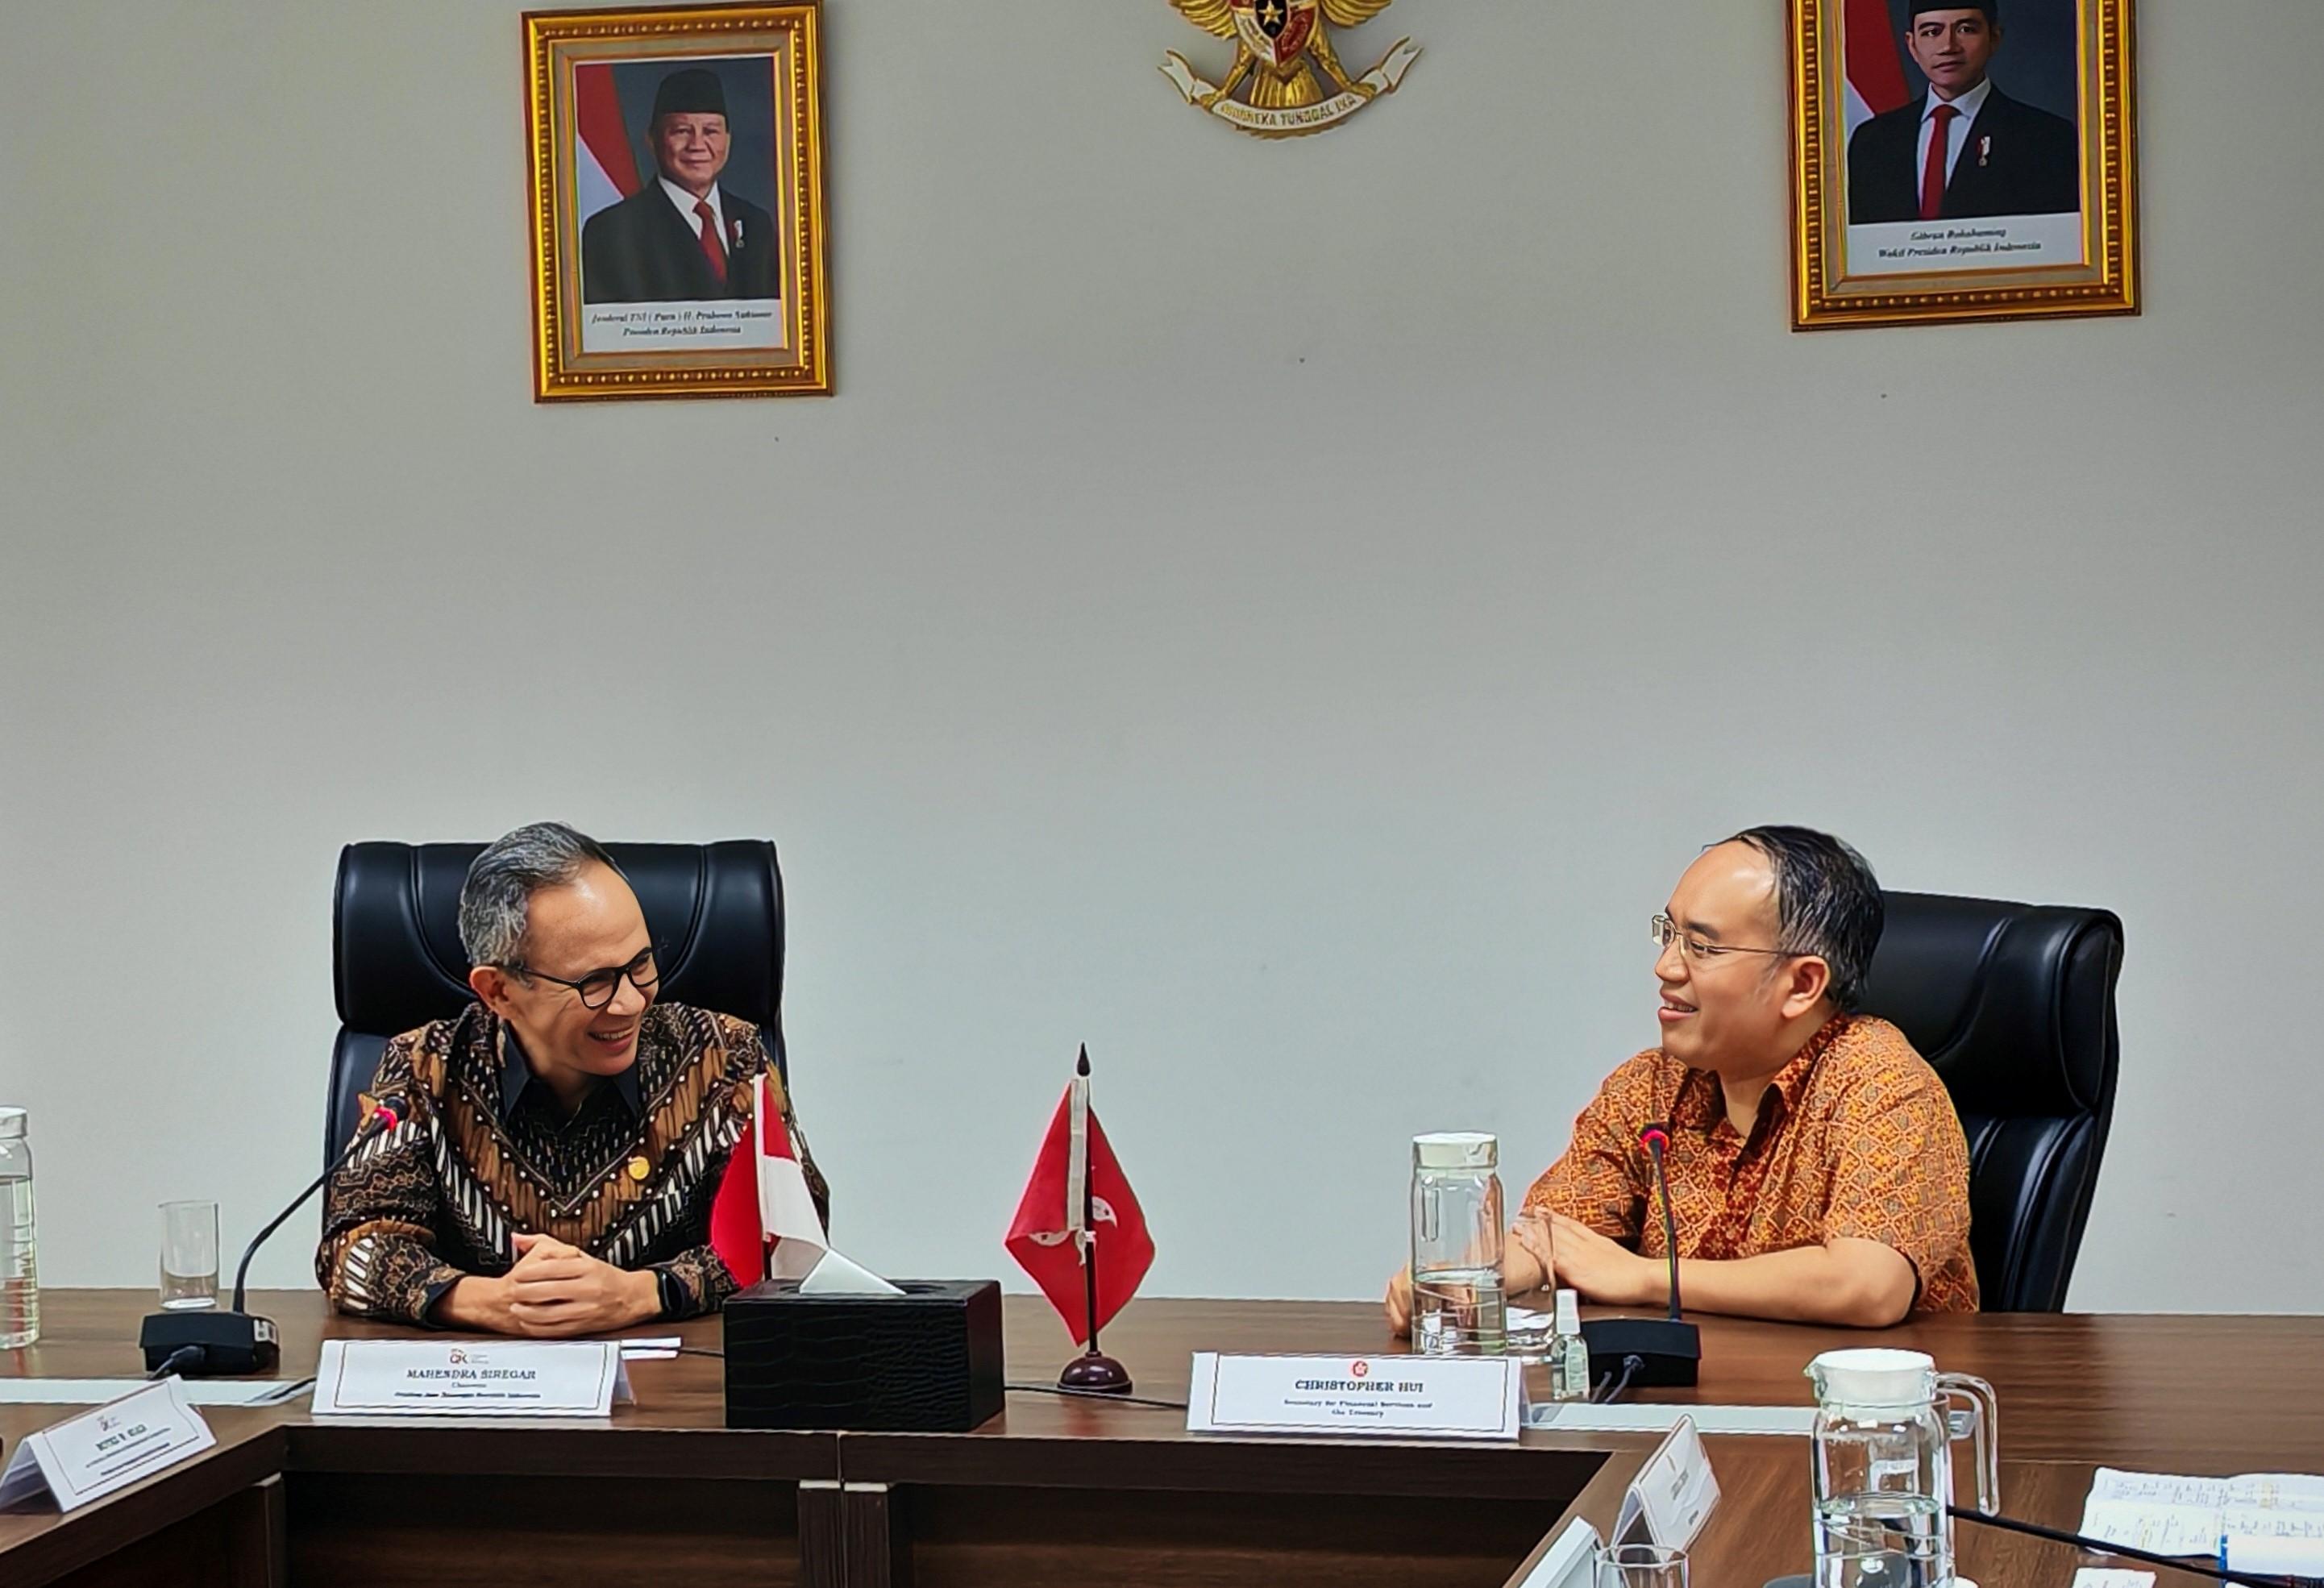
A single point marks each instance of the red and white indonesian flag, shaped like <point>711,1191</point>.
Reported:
<point>763,1200</point>
<point>1078,1209</point>
<point>604,172</point>
<point>1876,72</point>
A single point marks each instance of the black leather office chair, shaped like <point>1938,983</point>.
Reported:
<point>2014,1005</point>
<point>715,912</point>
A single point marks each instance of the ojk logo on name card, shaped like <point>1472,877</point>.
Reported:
<point>89,1456</point>
<point>422,1377</point>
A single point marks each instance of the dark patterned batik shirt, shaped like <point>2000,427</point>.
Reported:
<point>483,1151</point>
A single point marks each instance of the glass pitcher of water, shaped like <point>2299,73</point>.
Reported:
<point>1457,1308</point>
<point>1882,1458</point>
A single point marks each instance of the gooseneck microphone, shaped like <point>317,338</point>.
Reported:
<point>195,1344</point>
<point>1655,1138</point>
<point>1669,1349</point>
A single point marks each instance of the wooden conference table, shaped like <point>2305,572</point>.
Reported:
<point>1060,1491</point>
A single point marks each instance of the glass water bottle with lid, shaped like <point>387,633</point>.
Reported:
<point>1882,1451</point>
<point>19,1276</point>
<point>1457,1305</point>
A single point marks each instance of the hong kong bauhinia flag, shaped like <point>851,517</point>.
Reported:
<point>1079,1208</point>
<point>763,1202</point>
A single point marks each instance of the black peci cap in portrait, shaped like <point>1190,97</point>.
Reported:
<point>695,90</point>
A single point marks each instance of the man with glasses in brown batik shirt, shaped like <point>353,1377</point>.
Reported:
<point>564,1136</point>
<point>1818,1172</point>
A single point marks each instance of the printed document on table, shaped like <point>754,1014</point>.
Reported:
<point>2184,1515</point>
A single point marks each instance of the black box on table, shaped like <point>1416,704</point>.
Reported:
<point>925,1361</point>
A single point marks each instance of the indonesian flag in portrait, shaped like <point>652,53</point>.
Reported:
<point>762,1200</point>
<point>1876,72</point>
<point>604,172</point>
<point>1078,1208</point>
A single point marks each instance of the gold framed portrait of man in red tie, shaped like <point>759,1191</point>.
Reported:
<point>677,195</point>
<point>1958,160</point>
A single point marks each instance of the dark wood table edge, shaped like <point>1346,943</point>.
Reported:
<point>1600,1502</point>
<point>516,1449</point>
<point>1410,1468</point>
<point>137,1513</point>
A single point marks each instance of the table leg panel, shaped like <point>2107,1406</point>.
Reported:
<point>387,1530</point>
<point>988,1538</point>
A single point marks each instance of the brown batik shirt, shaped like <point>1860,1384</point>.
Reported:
<point>484,1151</point>
<point>1856,1137</point>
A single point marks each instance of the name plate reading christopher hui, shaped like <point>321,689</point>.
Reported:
<point>1394,1397</point>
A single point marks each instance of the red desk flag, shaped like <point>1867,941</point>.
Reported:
<point>1079,1208</point>
<point>762,1200</point>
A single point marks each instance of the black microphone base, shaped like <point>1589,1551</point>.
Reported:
<point>1669,1352</point>
<point>229,1341</point>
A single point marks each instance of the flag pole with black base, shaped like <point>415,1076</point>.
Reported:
<point>1093,1371</point>
<point>1076,1196</point>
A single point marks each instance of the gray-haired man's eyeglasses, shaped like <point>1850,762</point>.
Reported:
<point>597,988</point>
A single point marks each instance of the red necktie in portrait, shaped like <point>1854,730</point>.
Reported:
<point>1932,173</point>
<point>712,249</point>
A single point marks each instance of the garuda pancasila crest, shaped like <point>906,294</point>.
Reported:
<point>1280,47</point>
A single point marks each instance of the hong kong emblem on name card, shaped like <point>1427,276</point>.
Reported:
<point>1273,88</point>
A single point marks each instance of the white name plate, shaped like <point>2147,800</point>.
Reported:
<point>1570,1561</point>
<point>1398,1396</point>
<point>89,1456</point>
<point>1673,1495</point>
<point>470,1377</point>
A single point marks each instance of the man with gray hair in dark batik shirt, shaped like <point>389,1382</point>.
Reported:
<point>565,1134</point>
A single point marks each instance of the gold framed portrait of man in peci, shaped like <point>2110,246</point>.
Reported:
<point>1956,160</point>
<point>677,162</point>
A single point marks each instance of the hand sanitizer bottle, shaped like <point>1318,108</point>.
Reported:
<point>1569,1353</point>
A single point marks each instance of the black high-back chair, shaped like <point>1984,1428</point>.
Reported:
<point>714,911</point>
<point>2014,1005</point>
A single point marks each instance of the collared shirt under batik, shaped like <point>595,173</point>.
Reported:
<point>484,1151</point>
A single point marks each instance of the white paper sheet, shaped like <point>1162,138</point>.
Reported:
<point>833,1275</point>
<point>100,1391</point>
<point>2170,1514</point>
<point>2276,1557</point>
<point>2107,1577</point>
<point>1577,1417</point>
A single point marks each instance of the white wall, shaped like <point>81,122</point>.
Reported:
<point>1282,613</point>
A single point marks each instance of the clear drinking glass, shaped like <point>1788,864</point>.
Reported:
<point>189,1255</point>
<point>1641,1565</point>
<point>1532,1314</point>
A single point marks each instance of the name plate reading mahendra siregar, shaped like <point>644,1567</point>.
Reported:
<point>1397,1397</point>
<point>470,1378</point>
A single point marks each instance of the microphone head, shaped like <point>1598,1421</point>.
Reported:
<point>1654,1138</point>
<point>386,1114</point>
